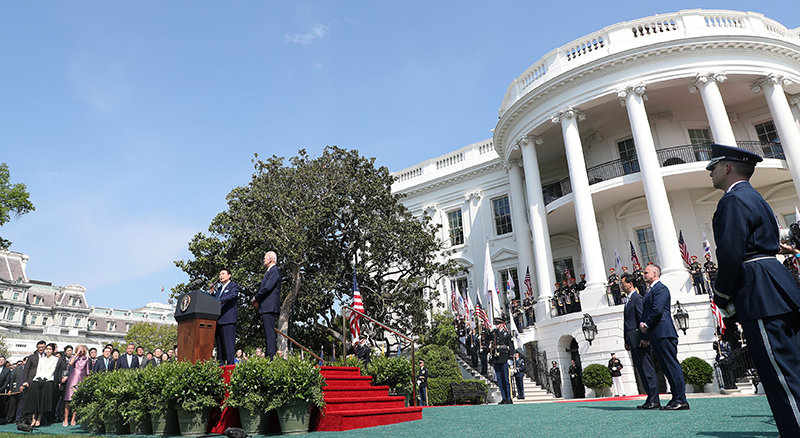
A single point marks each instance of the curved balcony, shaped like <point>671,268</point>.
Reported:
<point>666,157</point>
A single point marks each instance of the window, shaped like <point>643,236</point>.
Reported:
<point>502,215</point>
<point>456,227</point>
<point>647,245</point>
<point>33,319</point>
<point>16,296</point>
<point>44,320</point>
<point>11,314</point>
<point>63,320</point>
<point>504,285</point>
<point>92,324</point>
<point>112,326</point>
<point>78,321</point>
<point>627,154</point>
<point>74,301</point>
<point>128,327</point>
<point>767,134</point>
<point>560,265</point>
<point>37,299</point>
<point>700,137</point>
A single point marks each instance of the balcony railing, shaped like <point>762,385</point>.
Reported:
<point>666,157</point>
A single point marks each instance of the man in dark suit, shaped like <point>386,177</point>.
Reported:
<point>752,283</point>
<point>14,391</point>
<point>5,383</point>
<point>104,363</point>
<point>641,356</point>
<point>267,301</point>
<point>92,357</point>
<point>128,360</point>
<point>657,329</point>
<point>227,292</point>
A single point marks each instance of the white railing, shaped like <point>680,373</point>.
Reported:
<point>410,174</point>
<point>449,161</point>
<point>637,34</point>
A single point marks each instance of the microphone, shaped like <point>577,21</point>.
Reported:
<point>193,285</point>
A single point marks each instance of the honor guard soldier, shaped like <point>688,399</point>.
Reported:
<point>516,313</point>
<point>696,271</point>
<point>555,377</point>
<point>613,284</point>
<point>568,300</point>
<point>500,354</point>
<point>576,296</point>
<point>582,283</point>
<point>753,284</point>
<point>638,279</point>
<point>711,271</point>
<point>562,293</point>
<point>527,306</point>
<point>519,375</point>
<point>576,381</point>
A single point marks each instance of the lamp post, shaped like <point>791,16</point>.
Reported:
<point>681,317</point>
<point>589,328</point>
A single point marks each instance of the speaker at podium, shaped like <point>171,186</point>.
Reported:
<point>196,313</point>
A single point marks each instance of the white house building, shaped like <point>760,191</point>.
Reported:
<point>600,145</point>
<point>33,310</point>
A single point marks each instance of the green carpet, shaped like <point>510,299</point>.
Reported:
<point>722,417</point>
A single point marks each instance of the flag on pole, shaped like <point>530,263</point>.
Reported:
<point>462,309</point>
<point>490,286</point>
<point>515,333</point>
<point>355,327</point>
<point>480,313</point>
<point>470,311</point>
<point>454,302</point>
<point>706,245</point>
<point>570,280</point>
<point>684,249</point>
<point>717,315</point>
<point>634,257</point>
<point>510,286</point>
<point>528,285</point>
<point>616,259</point>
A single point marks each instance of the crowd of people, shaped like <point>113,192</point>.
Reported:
<point>38,389</point>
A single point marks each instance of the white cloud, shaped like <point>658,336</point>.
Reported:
<point>307,38</point>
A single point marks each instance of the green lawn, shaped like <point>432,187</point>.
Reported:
<point>721,417</point>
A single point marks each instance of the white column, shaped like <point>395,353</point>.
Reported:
<point>519,222</point>
<point>584,208</point>
<point>542,256</point>
<point>672,269</point>
<point>715,108</point>
<point>794,99</point>
<point>784,121</point>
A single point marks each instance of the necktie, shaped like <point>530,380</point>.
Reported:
<point>106,360</point>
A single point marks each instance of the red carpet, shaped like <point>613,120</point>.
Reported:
<point>353,403</point>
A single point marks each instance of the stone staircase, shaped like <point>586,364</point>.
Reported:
<point>533,392</point>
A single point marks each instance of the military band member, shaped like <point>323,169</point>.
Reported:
<point>582,284</point>
<point>568,300</point>
<point>576,296</point>
<point>613,283</point>
<point>561,293</point>
<point>555,377</point>
<point>696,271</point>
<point>527,306</point>
<point>554,300</point>
<point>638,279</point>
<point>516,313</point>
<point>711,271</point>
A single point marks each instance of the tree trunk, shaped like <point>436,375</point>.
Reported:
<point>286,308</point>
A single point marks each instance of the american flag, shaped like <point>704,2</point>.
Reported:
<point>528,286</point>
<point>634,257</point>
<point>453,302</point>
<point>355,327</point>
<point>684,249</point>
<point>480,313</point>
<point>570,280</point>
<point>717,315</point>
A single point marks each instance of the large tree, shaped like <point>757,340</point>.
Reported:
<point>150,335</point>
<point>14,200</point>
<point>325,217</point>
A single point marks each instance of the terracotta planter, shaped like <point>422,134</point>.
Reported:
<point>294,417</point>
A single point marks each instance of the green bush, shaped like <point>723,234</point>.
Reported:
<point>597,376</point>
<point>440,362</point>
<point>293,379</point>
<point>116,390</point>
<point>440,392</point>
<point>194,387</point>
<point>696,371</point>
<point>394,372</point>
<point>442,332</point>
<point>247,385</point>
<point>85,403</point>
<point>349,361</point>
<point>153,381</point>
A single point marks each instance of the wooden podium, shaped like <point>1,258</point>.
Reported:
<point>196,313</point>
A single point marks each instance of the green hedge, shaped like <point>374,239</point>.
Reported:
<point>597,376</point>
<point>697,371</point>
<point>440,362</point>
<point>439,391</point>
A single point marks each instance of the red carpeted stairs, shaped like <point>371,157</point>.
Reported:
<point>351,402</point>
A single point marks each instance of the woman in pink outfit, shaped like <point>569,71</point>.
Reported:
<point>79,364</point>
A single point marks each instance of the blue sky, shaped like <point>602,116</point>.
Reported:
<point>131,121</point>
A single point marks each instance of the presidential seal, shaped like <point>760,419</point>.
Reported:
<point>185,301</point>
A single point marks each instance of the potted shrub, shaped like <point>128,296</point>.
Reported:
<point>697,372</point>
<point>115,391</point>
<point>86,405</point>
<point>138,412</point>
<point>163,418</point>
<point>293,386</point>
<point>248,394</point>
<point>394,372</point>
<point>597,377</point>
<point>194,389</point>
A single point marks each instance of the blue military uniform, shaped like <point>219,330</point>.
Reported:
<point>759,289</point>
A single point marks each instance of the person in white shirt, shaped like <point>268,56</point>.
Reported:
<point>40,398</point>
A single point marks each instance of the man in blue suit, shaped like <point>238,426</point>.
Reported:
<point>227,292</point>
<point>752,283</point>
<point>640,355</point>
<point>267,300</point>
<point>104,363</point>
<point>657,329</point>
<point>128,361</point>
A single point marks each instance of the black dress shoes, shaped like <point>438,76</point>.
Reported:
<point>652,405</point>
<point>674,406</point>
